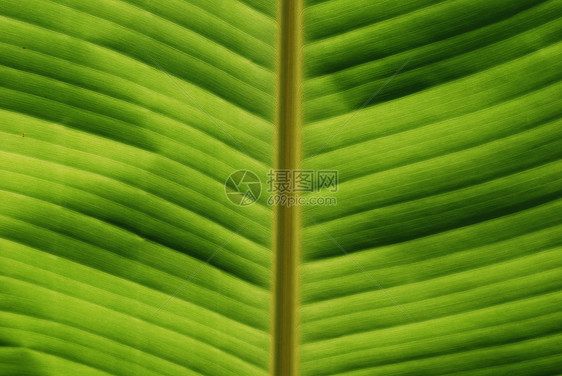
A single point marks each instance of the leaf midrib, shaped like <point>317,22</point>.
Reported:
<point>287,219</point>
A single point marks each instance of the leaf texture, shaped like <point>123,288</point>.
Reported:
<point>121,120</point>
<point>442,255</point>
<point>120,252</point>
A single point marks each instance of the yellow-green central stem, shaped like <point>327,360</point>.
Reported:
<point>287,219</point>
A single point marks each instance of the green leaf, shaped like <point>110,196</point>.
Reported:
<point>136,238</point>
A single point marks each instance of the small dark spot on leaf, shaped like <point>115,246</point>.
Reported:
<point>24,48</point>
<point>23,134</point>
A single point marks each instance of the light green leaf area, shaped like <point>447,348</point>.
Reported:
<point>134,115</point>
<point>121,120</point>
<point>449,204</point>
